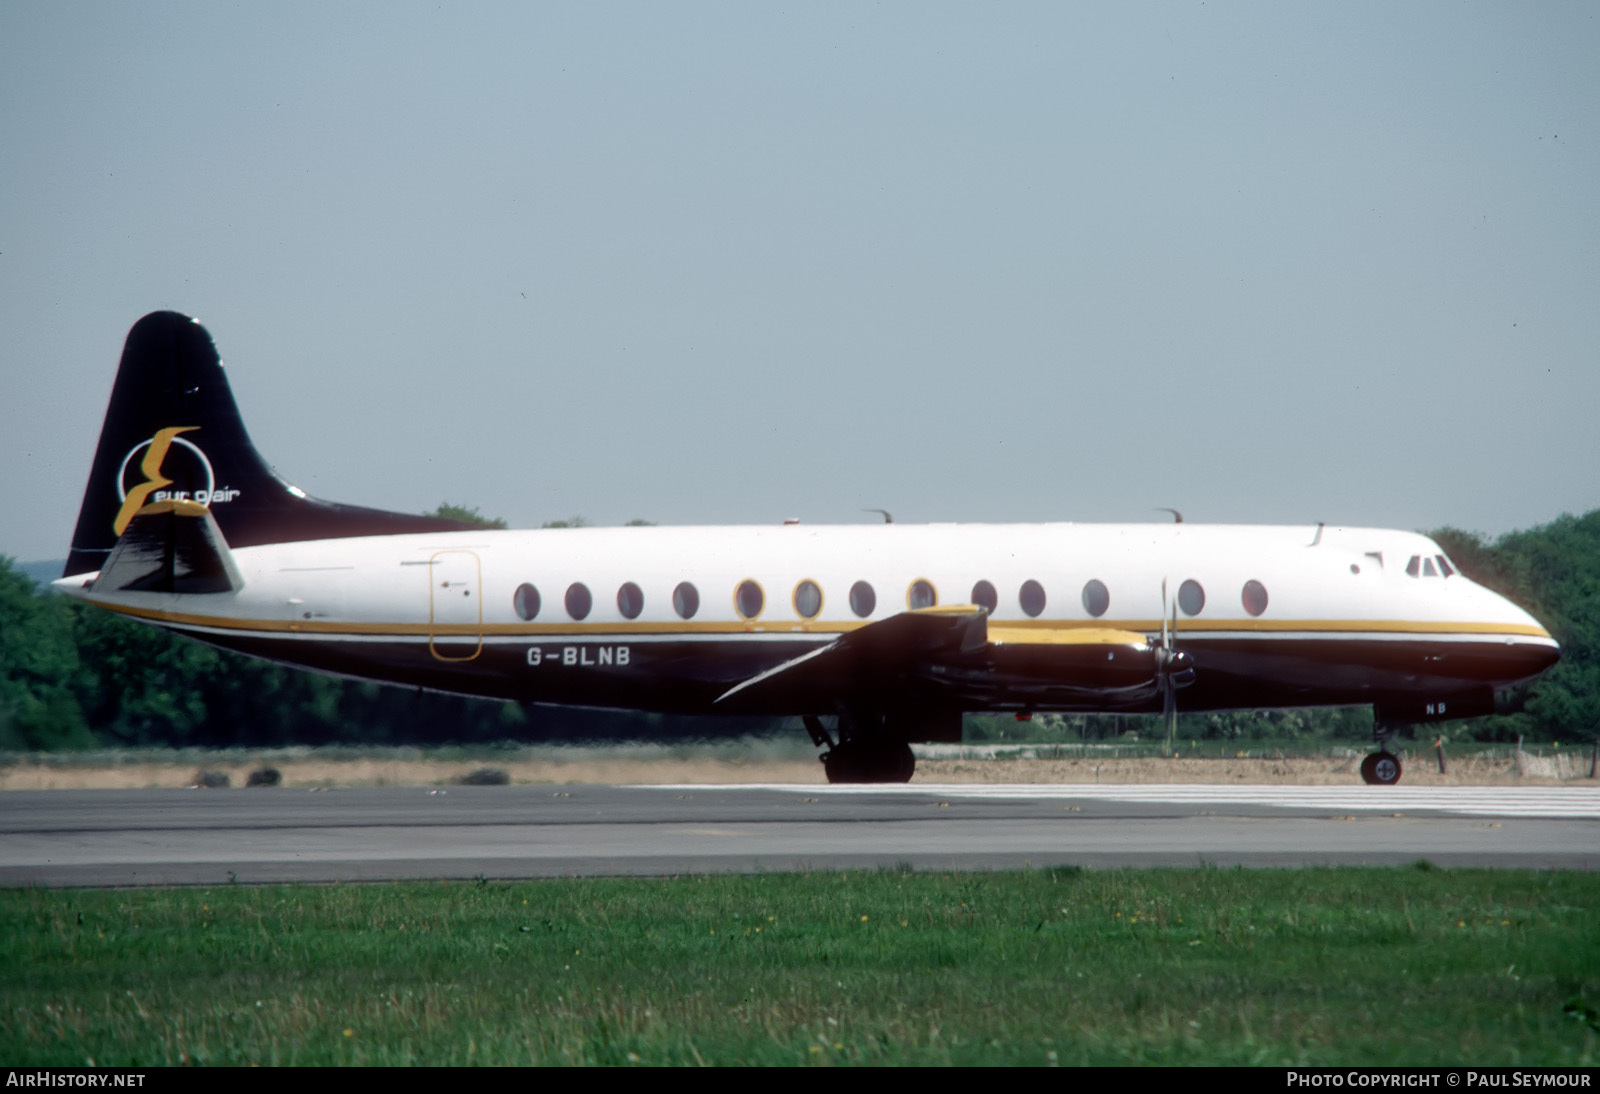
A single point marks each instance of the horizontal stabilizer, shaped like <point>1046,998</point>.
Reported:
<point>873,657</point>
<point>170,547</point>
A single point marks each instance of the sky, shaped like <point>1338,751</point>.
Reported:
<point>735,263</point>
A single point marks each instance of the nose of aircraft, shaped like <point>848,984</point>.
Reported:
<point>1531,646</point>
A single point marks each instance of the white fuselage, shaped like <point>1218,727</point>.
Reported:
<point>444,609</point>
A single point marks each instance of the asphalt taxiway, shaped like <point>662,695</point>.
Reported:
<point>198,837</point>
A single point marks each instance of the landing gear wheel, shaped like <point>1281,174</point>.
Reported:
<point>1381,769</point>
<point>838,764</point>
<point>878,762</point>
<point>896,763</point>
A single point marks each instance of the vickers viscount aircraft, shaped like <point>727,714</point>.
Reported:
<point>875,635</point>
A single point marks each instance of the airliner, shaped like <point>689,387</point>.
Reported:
<point>875,635</point>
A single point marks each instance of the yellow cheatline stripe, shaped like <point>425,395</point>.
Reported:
<point>1275,626</point>
<point>1077,636</point>
<point>1065,628</point>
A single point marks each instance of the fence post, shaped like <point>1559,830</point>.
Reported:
<point>1439,744</point>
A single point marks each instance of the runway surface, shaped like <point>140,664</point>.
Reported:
<point>199,837</point>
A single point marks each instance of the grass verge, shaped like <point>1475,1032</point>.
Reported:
<point>1323,966</point>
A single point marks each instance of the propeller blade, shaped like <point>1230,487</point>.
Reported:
<point>1169,663</point>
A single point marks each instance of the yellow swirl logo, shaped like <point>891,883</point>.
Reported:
<point>196,470</point>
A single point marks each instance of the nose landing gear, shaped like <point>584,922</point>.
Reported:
<point>1382,768</point>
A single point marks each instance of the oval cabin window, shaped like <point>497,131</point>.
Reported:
<point>579,602</point>
<point>862,599</point>
<point>807,600</point>
<point>1255,597</point>
<point>748,599</point>
<point>685,600</point>
<point>983,594</point>
<point>1031,597</point>
<point>1191,597</point>
<point>921,594</point>
<point>630,601</point>
<point>1096,597</point>
<point>526,601</point>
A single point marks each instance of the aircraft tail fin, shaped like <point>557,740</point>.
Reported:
<point>172,432</point>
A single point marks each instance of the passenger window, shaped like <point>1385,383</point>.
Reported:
<point>983,594</point>
<point>630,601</point>
<point>921,594</point>
<point>1255,597</point>
<point>1031,597</point>
<point>685,600</point>
<point>1096,597</point>
<point>526,601</point>
<point>807,600</point>
<point>578,600</point>
<point>862,599</point>
<point>1191,597</point>
<point>748,599</point>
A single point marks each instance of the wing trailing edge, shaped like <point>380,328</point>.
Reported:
<point>871,658</point>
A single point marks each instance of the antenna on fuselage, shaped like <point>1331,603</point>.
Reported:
<point>1177,517</point>
<point>1318,538</point>
<point>888,517</point>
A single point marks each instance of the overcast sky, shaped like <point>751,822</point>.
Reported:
<point>719,263</point>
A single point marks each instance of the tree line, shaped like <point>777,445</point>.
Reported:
<point>73,676</point>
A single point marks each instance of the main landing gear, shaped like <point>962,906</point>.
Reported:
<point>874,756</point>
<point>1381,768</point>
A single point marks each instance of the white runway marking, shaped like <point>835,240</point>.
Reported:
<point>1501,801</point>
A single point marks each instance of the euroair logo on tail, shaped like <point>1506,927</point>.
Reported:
<point>168,460</point>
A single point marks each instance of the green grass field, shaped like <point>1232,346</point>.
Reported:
<point>1325,966</point>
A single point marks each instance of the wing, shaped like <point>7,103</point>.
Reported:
<point>950,656</point>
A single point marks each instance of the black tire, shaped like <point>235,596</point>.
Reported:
<point>900,763</point>
<point>1380,769</point>
<point>882,762</point>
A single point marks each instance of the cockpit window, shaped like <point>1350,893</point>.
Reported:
<point>1419,566</point>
